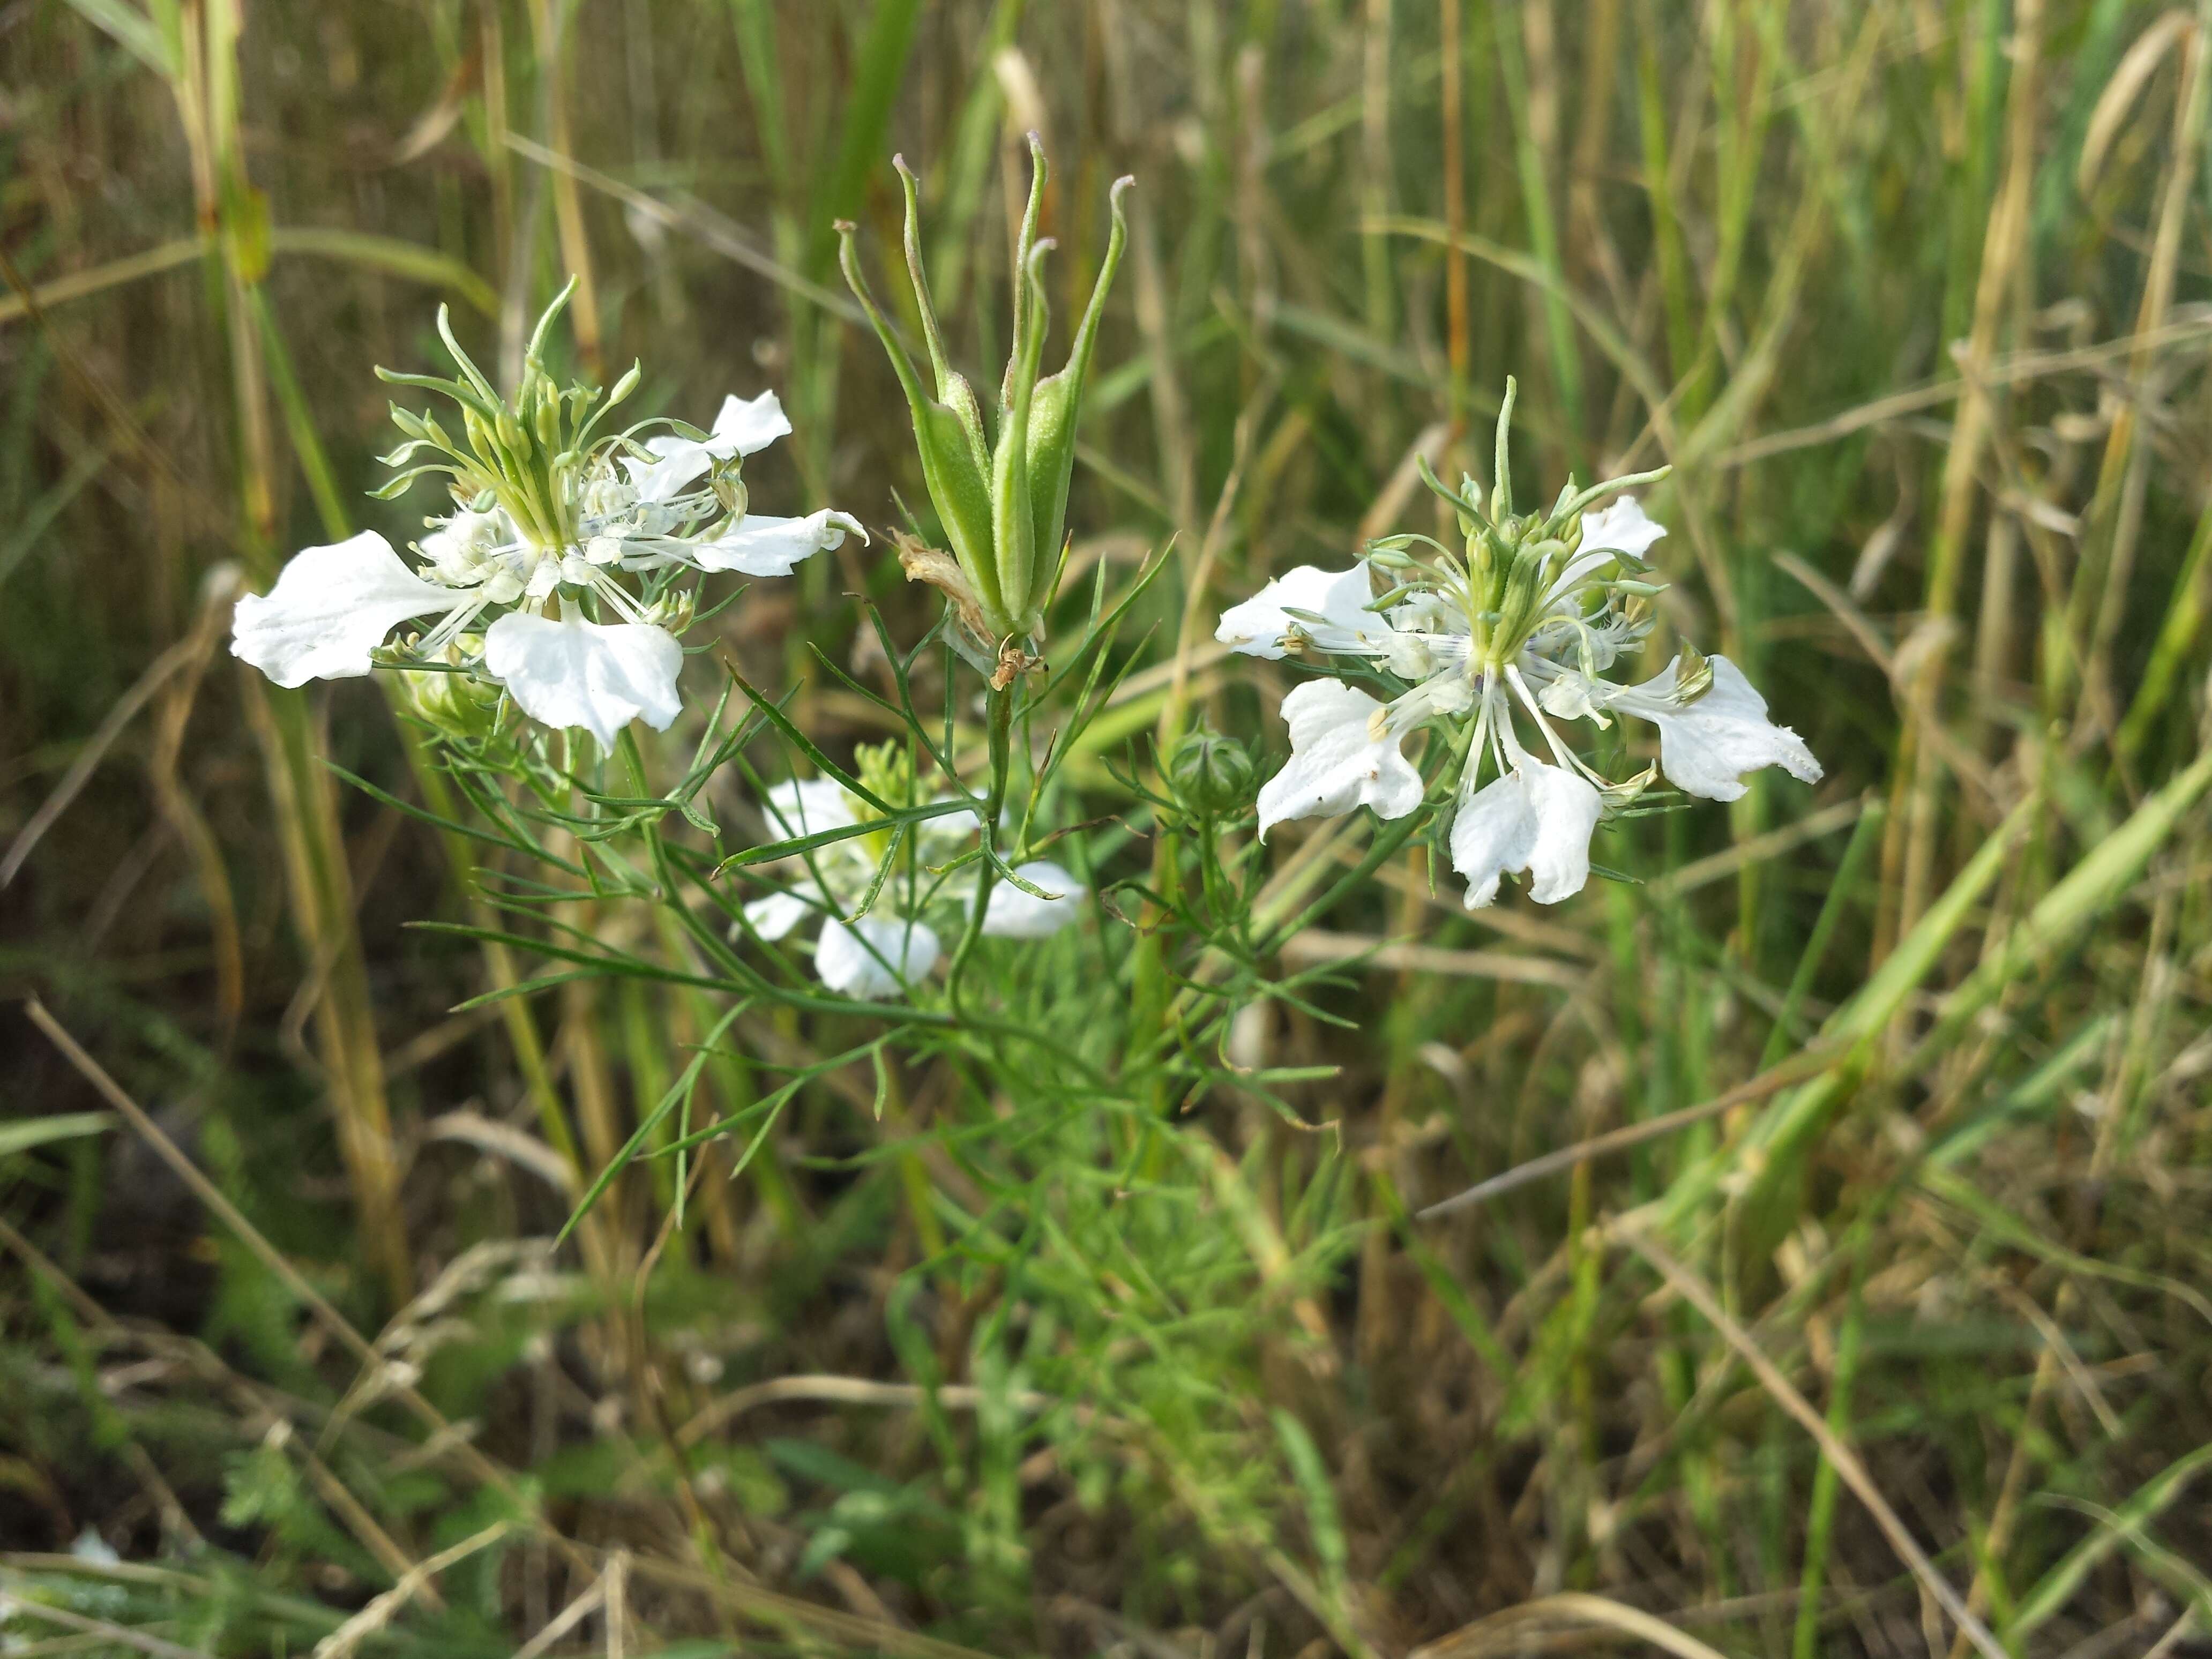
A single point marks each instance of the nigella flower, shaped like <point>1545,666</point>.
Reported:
<point>873,950</point>
<point>548,521</point>
<point>1523,626</point>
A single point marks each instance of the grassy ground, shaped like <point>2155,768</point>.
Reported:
<point>1852,1274</point>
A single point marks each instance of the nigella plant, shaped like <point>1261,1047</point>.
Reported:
<point>1515,630</point>
<point>569,563</point>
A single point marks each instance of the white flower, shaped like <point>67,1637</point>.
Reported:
<point>330,607</point>
<point>1341,757</point>
<point>1012,913</point>
<point>598,675</point>
<point>891,947</point>
<point>876,957</point>
<point>1708,743</point>
<point>759,545</point>
<point>743,428</point>
<point>806,806</point>
<point>777,913</point>
<point>587,526</point>
<point>1519,627</point>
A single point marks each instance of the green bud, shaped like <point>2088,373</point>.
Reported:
<point>886,770</point>
<point>1501,489</point>
<point>549,421</point>
<point>1213,775</point>
<point>673,611</point>
<point>454,705</point>
<point>481,438</point>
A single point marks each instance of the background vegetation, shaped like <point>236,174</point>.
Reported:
<point>1853,1269</point>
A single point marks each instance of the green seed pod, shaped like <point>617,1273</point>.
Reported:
<point>1212,775</point>
<point>454,705</point>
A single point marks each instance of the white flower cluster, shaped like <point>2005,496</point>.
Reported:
<point>1520,626</point>
<point>890,948</point>
<point>524,577</point>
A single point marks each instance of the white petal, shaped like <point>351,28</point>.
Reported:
<point>1013,913</point>
<point>1565,805</point>
<point>1621,525</point>
<point>1335,764</point>
<point>940,838</point>
<point>760,545</point>
<point>598,676</point>
<point>330,608</point>
<point>1493,831</point>
<point>777,913</point>
<point>1263,627</point>
<point>1537,818</point>
<point>848,966</point>
<point>805,807</point>
<point>677,462</point>
<point>1706,746</point>
<point>745,427</point>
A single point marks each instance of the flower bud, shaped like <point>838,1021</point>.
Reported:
<point>672,610</point>
<point>455,705</point>
<point>1212,775</point>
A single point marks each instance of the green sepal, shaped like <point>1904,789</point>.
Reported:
<point>946,441</point>
<point>1013,527</point>
<point>1056,405</point>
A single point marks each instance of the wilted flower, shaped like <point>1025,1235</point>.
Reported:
<point>1002,499</point>
<point>548,519</point>
<point>1523,624</point>
<point>874,942</point>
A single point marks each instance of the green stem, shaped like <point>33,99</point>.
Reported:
<point>1000,715</point>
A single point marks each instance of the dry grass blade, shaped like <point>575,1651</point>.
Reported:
<point>86,1624</point>
<point>846,1391</point>
<point>2005,371</point>
<point>694,218</point>
<point>1810,1063</point>
<point>1316,944</point>
<point>1698,1295</point>
<point>564,1621</point>
<point>414,1582</point>
<point>1504,1632</point>
<point>163,668</point>
<point>1700,873</point>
